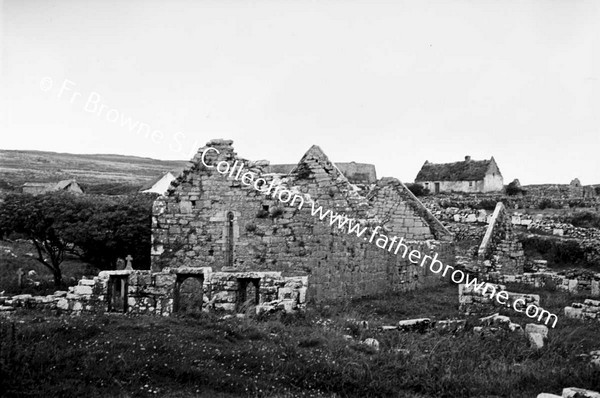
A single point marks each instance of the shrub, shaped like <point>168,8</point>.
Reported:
<point>513,189</point>
<point>585,219</point>
<point>262,214</point>
<point>277,212</point>
<point>548,204</point>
<point>556,251</point>
<point>486,204</point>
<point>417,189</point>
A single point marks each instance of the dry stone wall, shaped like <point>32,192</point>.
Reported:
<point>473,302</point>
<point>500,250</point>
<point>141,292</point>
<point>589,309</point>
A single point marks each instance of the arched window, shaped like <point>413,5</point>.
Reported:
<point>229,240</point>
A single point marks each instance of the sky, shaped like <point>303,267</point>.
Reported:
<point>392,83</point>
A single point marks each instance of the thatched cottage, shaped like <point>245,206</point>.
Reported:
<point>465,176</point>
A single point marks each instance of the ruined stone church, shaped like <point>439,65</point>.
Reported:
<point>243,244</point>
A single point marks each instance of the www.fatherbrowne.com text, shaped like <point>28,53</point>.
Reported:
<point>394,244</point>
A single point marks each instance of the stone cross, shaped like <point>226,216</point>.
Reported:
<point>129,259</point>
<point>20,277</point>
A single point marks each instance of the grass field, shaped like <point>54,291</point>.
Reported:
<point>19,167</point>
<point>44,355</point>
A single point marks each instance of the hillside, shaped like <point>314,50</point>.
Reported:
<point>18,167</point>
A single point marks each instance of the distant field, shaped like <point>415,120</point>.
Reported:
<point>19,167</point>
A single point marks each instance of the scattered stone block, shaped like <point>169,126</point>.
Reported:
<point>83,290</point>
<point>62,304</point>
<point>373,343</point>
<point>419,324</point>
<point>537,334</point>
<point>574,392</point>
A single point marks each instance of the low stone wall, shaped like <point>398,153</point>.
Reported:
<point>500,250</point>
<point>475,303</point>
<point>590,309</point>
<point>470,231</point>
<point>160,293</point>
<point>572,281</point>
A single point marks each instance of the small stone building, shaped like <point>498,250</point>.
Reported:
<point>254,246</point>
<point>466,176</point>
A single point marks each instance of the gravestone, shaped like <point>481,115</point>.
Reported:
<point>20,277</point>
<point>129,260</point>
<point>120,264</point>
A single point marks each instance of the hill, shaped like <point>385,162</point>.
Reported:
<point>92,171</point>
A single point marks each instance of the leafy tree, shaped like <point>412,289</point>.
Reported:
<point>119,226</point>
<point>45,220</point>
<point>98,229</point>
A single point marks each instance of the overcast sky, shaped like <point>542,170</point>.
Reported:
<point>390,83</point>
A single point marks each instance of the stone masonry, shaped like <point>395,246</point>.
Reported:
<point>500,250</point>
<point>207,219</point>
<point>589,309</point>
<point>475,303</point>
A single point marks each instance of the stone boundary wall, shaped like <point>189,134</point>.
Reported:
<point>590,309</point>
<point>575,281</point>
<point>531,200</point>
<point>462,232</point>
<point>538,222</point>
<point>155,293</point>
<point>475,303</point>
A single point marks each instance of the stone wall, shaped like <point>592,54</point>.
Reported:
<point>470,232</point>
<point>575,281</point>
<point>162,293</point>
<point>500,250</point>
<point>475,303</point>
<point>590,309</point>
<point>191,227</point>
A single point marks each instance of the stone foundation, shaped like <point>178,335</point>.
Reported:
<point>475,303</point>
<point>574,281</point>
<point>163,293</point>
<point>588,310</point>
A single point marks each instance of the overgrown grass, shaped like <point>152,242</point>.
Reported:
<point>290,355</point>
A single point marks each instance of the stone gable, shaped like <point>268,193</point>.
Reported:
<point>207,219</point>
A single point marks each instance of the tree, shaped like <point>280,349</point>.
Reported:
<point>118,226</point>
<point>45,220</point>
<point>98,229</point>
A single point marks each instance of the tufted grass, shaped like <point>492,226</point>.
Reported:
<point>304,355</point>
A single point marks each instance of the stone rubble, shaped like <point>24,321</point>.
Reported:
<point>589,309</point>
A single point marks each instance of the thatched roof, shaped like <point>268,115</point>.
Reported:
<point>467,170</point>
